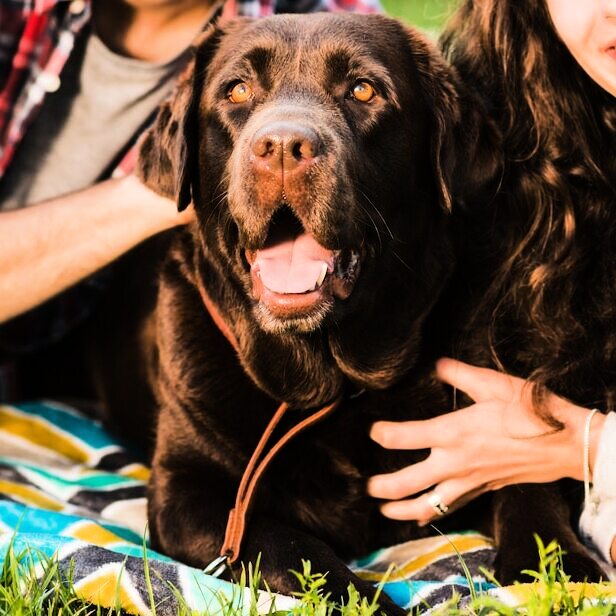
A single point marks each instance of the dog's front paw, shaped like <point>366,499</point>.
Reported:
<point>581,567</point>
<point>577,564</point>
<point>508,570</point>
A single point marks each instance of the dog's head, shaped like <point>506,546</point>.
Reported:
<point>320,154</point>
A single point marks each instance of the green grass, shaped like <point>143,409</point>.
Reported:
<point>430,15</point>
<point>23,593</point>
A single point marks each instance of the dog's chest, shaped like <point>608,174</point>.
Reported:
<point>319,478</point>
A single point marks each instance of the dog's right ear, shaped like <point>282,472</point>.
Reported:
<point>168,152</point>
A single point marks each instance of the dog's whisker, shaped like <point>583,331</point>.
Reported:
<point>378,233</point>
<point>217,203</point>
<point>376,209</point>
<point>408,267</point>
<point>222,186</point>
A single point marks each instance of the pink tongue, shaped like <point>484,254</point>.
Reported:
<point>293,266</point>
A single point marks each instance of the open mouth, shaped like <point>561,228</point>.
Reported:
<point>293,274</point>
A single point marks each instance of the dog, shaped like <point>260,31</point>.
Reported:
<point>322,154</point>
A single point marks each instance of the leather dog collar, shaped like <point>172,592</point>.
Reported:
<point>236,523</point>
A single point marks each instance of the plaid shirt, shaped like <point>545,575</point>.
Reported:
<point>36,39</point>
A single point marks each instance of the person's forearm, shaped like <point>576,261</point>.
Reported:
<point>48,247</point>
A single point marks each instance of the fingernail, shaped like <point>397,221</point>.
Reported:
<point>370,484</point>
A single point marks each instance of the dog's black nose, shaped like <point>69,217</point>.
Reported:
<point>285,146</point>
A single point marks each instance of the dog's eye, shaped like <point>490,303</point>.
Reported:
<point>363,92</point>
<point>240,92</point>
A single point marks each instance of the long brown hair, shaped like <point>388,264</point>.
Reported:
<point>552,298</point>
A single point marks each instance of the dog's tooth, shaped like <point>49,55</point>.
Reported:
<point>322,275</point>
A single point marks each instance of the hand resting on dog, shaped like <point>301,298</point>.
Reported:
<point>63,240</point>
<point>498,441</point>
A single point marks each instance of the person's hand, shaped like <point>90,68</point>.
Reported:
<point>162,211</point>
<point>495,442</point>
<point>64,240</point>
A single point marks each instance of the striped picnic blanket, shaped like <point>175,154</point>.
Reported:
<point>72,492</point>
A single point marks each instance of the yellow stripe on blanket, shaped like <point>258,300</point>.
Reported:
<point>109,587</point>
<point>92,533</point>
<point>136,471</point>
<point>40,432</point>
<point>29,496</point>
<point>448,546</point>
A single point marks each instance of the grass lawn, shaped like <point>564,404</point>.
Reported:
<point>427,14</point>
<point>24,593</point>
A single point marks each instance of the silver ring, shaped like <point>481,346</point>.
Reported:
<point>435,502</point>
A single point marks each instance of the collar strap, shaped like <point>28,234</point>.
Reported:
<point>236,523</point>
<point>254,470</point>
<point>213,311</point>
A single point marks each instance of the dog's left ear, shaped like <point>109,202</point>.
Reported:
<point>168,152</point>
<point>465,144</point>
<point>478,152</point>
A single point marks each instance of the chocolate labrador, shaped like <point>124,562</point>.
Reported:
<point>321,153</point>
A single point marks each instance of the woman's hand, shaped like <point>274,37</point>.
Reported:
<point>495,442</point>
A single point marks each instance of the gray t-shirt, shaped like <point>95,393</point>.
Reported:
<point>103,101</point>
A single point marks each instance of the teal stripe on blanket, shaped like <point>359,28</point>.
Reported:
<point>23,519</point>
<point>90,432</point>
<point>94,479</point>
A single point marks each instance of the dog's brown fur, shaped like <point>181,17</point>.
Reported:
<point>378,181</point>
